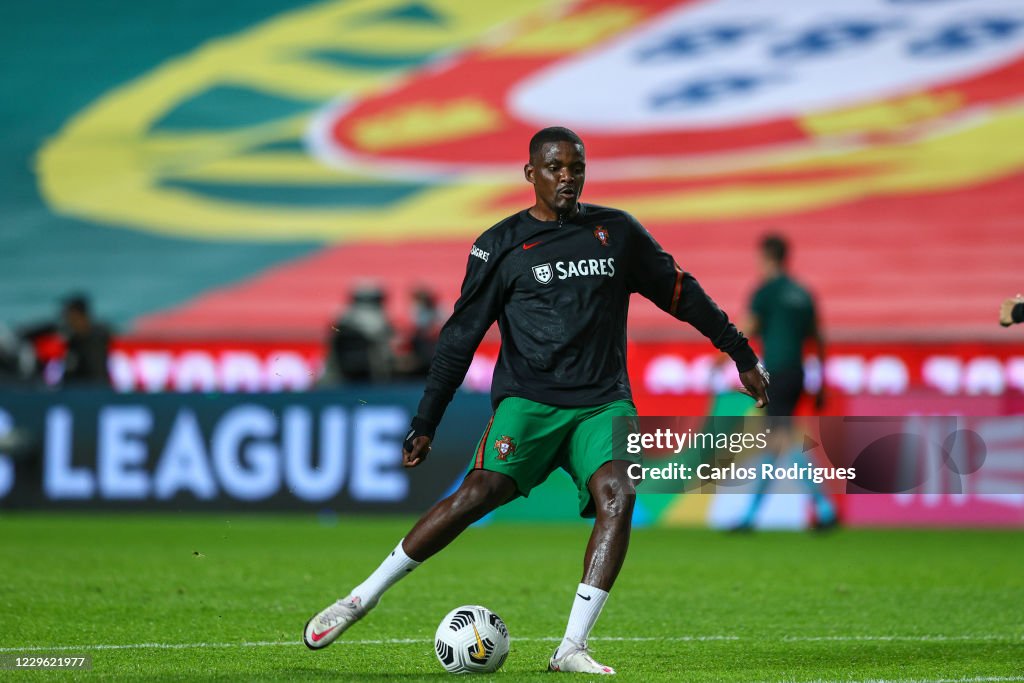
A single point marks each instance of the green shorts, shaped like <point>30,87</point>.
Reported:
<point>527,441</point>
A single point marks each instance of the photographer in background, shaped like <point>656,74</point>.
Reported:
<point>84,342</point>
<point>359,348</point>
<point>17,359</point>
<point>88,345</point>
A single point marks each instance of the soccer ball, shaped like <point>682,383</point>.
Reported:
<point>471,639</point>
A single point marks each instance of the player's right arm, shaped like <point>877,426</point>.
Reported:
<point>476,310</point>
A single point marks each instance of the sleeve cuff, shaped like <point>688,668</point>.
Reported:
<point>744,357</point>
<point>423,427</point>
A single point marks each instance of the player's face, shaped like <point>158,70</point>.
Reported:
<point>557,173</point>
<point>769,266</point>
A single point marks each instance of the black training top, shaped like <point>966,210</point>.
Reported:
<point>560,293</point>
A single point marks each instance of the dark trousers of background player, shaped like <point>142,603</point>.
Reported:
<point>784,392</point>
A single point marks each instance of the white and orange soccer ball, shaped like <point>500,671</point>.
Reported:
<point>471,639</point>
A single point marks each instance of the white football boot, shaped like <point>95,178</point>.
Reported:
<point>577,660</point>
<point>325,627</point>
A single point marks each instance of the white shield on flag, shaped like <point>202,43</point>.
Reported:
<point>707,65</point>
<point>542,273</point>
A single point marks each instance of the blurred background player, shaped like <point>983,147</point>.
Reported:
<point>1012,311</point>
<point>784,316</point>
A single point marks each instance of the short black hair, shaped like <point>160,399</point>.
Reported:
<point>77,302</point>
<point>552,134</point>
<point>775,247</point>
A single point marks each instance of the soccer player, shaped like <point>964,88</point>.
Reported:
<point>557,277</point>
<point>784,315</point>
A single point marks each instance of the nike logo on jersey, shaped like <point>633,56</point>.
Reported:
<point>530,246</point>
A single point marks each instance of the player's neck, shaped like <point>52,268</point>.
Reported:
<point>542,212</point>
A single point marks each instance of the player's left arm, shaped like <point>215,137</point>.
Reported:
<point>654,274</point>
<point>817,335</point>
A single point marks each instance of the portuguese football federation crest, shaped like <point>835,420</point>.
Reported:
<point>505,447</point>
<point>542,273</point>
<point>601,233</point>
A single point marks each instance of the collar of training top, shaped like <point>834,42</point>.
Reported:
<point>581,212</point>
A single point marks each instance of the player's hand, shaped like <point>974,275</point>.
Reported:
<point>1006,310</point>
<point>418,453</point>
<point>755,384</point>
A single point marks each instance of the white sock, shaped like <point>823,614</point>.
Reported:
<point>585,610</point>
<point>394,567</point>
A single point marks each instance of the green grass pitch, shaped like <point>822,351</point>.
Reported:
<point>226,597</point>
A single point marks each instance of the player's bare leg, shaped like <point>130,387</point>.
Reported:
<point>481,492</point>
<point>614,497</point>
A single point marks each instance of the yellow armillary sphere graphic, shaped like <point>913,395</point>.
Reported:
<point>383,119</point>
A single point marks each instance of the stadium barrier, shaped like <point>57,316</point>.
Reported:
<point>336,451</point>
<point>657,369</point>
<point>339,452</point>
